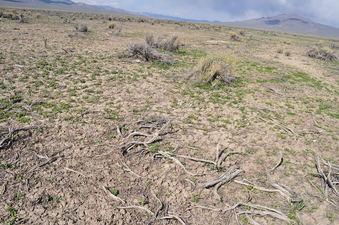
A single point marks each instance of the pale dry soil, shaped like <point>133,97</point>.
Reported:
<point>80,96</point>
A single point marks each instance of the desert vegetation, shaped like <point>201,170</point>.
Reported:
<point>322,53</point>
<point>168,44</point>
<point>81,28</point>
<point>136,128</point>
<point>211,70</point>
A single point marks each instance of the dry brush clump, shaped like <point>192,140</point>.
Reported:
<point>116,28</point>
<point>211,69</point>
<point>10,16</point>
<point>234,36</point>
<point>111,26</point>
<point>169,44</point>
<point>81,28</point>
<point>147,53</point>
<point>322,53</point>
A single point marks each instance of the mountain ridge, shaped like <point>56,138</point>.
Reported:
<point>67,5</point>
<point>291,23</point>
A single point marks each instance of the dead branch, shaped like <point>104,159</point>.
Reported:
<point>258,210</point>
<point>116,198</point>
<point>251,220</point>
<point>119,130</point>
<point>333,166</point>
<point>281,160</point>
<point>327,179</point>
<point>192,158</point>
<point>155,137</point>
<point>139,134</point>
<point>266,213</point>
<point>275,92</point>
<point>45,42</point>
<point>224,157</point>
<point>137,207</point>
<point>284,128</point>
<point>219,157</point>
<point>161,207</point>
<point>229,175</point>
<point>175,160</point>
<point>218,153</point>
<point>174,217</point>
<point>256,187</point>
<point>74,171</point>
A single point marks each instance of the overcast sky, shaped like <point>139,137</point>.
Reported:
<point>324,11</point>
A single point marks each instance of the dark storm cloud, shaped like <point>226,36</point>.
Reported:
<point>326,11</point>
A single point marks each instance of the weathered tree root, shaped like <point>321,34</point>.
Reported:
<point>228,176</point>
<point>175,160</point>
<point>155,215</point>
<point>174,217</point>
<point>329,178</point>
<point>256,210</point>
<point>154,137</point>
<point>281,189</point>
<point>219,158</point>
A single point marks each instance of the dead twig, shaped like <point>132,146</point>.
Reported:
<point>266,213</point>
<point>281,160</point>
<point>251,220</point>
<point>224,157</point>
<point>256,210</point>
<point>256,187</point>
<point>192,158</point>
<point>174,217</point>
<point>137,207</point>
<point>286,129</point>
<point>161,207</point>
<point>175,160</point>
<point>45,42</point>
<point>74,171</point>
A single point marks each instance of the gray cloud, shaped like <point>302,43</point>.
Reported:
<point>325,11</point>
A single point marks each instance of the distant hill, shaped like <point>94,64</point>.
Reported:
<point>288,23</point>
<point>160,16</point>
<point>67,5</point>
